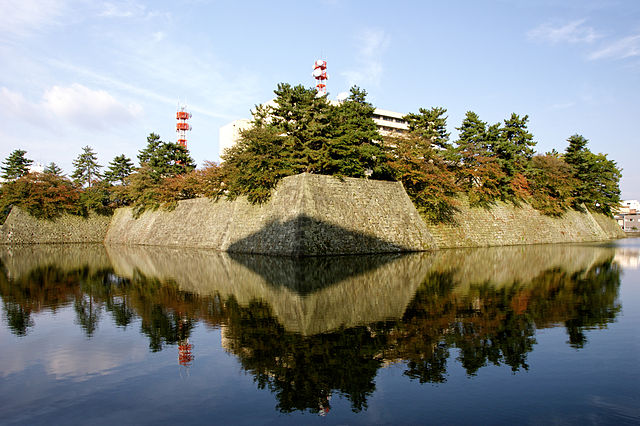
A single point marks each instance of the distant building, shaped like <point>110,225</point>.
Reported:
<point>631,222</point>
<point>627,205</point>
<point>628,215</point>
<point>229,134</point>
<point>388,122</point>
<point>36,168</point>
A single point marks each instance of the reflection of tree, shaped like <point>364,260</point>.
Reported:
<point>87,313</point>
<point>304,370</point>
<point>484,324</point>
<point>18,318</point>
<point>165,327</point>
<point>594,303</point>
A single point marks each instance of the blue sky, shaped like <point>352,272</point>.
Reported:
<point>106,74</point>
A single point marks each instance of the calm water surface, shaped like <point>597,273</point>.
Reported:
<point>514,335</point>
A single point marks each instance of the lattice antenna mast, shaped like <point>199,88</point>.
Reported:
<point>182,126</point>
<point>321,76</point>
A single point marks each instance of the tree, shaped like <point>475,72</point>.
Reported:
<point>42,195</point>
<point>477,170</point>
<point>353,147</point>
<point>16,165</point>
<point>119,169</point>
<point>552,184</point>
<point>165,159</point>
<point>598,177</point>
<point>304,119</point>
<point>87,169</point>
<point>153,143</point>
<point>514,150</point>
<point>425,176</point>
<point>255,165</point>
<point>53,169</point>
<point>420,161</point>
<point>431,125</point>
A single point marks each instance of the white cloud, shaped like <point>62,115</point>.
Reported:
<point>158,36</point>
<point>141,91</point>
<point>23,17</point>
<point>74,105</point>
<point>84,107</point>
<point>624,48</point>
<point>572,32</point>
<point>563,105</point>
<point>369,69</point>
<point>122,10</point>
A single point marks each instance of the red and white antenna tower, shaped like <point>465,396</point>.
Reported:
<point>182,125</point>
<point>320,74</point>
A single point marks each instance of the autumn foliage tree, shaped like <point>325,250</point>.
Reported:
<point>43,195</point>
<point>419,161</point>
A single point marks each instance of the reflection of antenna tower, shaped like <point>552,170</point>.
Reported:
<point>182,126</point>
<point>185,356</point>
<point>320,74</point>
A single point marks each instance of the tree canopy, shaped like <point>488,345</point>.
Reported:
<point>16,165</point>
<point>119,169</point>
<point>87,170</point>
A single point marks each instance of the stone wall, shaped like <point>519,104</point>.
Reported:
<point>306,215</point>
<point>22,228</point>
<point>505,224</point>
<point>609,226</point>
<point>315,215</point>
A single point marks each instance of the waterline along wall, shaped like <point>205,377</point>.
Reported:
<point>311,215</point>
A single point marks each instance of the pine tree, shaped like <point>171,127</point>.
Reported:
<point>153,143</point>
<point>304,119</point>
<point>598,177</point>
<point>354,146</point>
<point>119,169</point>
<point>514,147</point>
<point>431,125</point>
<point>53,169</point>
<point>87,169</point>
<point>477,170</point>
<point>16,165</point>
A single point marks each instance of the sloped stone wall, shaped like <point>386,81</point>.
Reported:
<point>306,215</point>
<point>505,224</point>
<point>22,228</point>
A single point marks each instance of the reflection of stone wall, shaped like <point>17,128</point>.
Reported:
<point>505,224</point>
<point>502,266</point>
<point>312,295</point>
<point>22,228</point>
<point>21,260</point>
<point>307,215</point>
<point>375,293</point>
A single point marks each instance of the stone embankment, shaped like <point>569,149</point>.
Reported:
<point>505,224</point>
<point>307,215</point>
<point>310,215</point>
<point>22,228</point>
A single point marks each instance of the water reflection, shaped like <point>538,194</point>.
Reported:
<point>309,328</point>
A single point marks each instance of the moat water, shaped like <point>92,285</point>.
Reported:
<point>513,335</point>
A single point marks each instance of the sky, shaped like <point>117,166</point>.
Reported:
<point>107,73</point>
